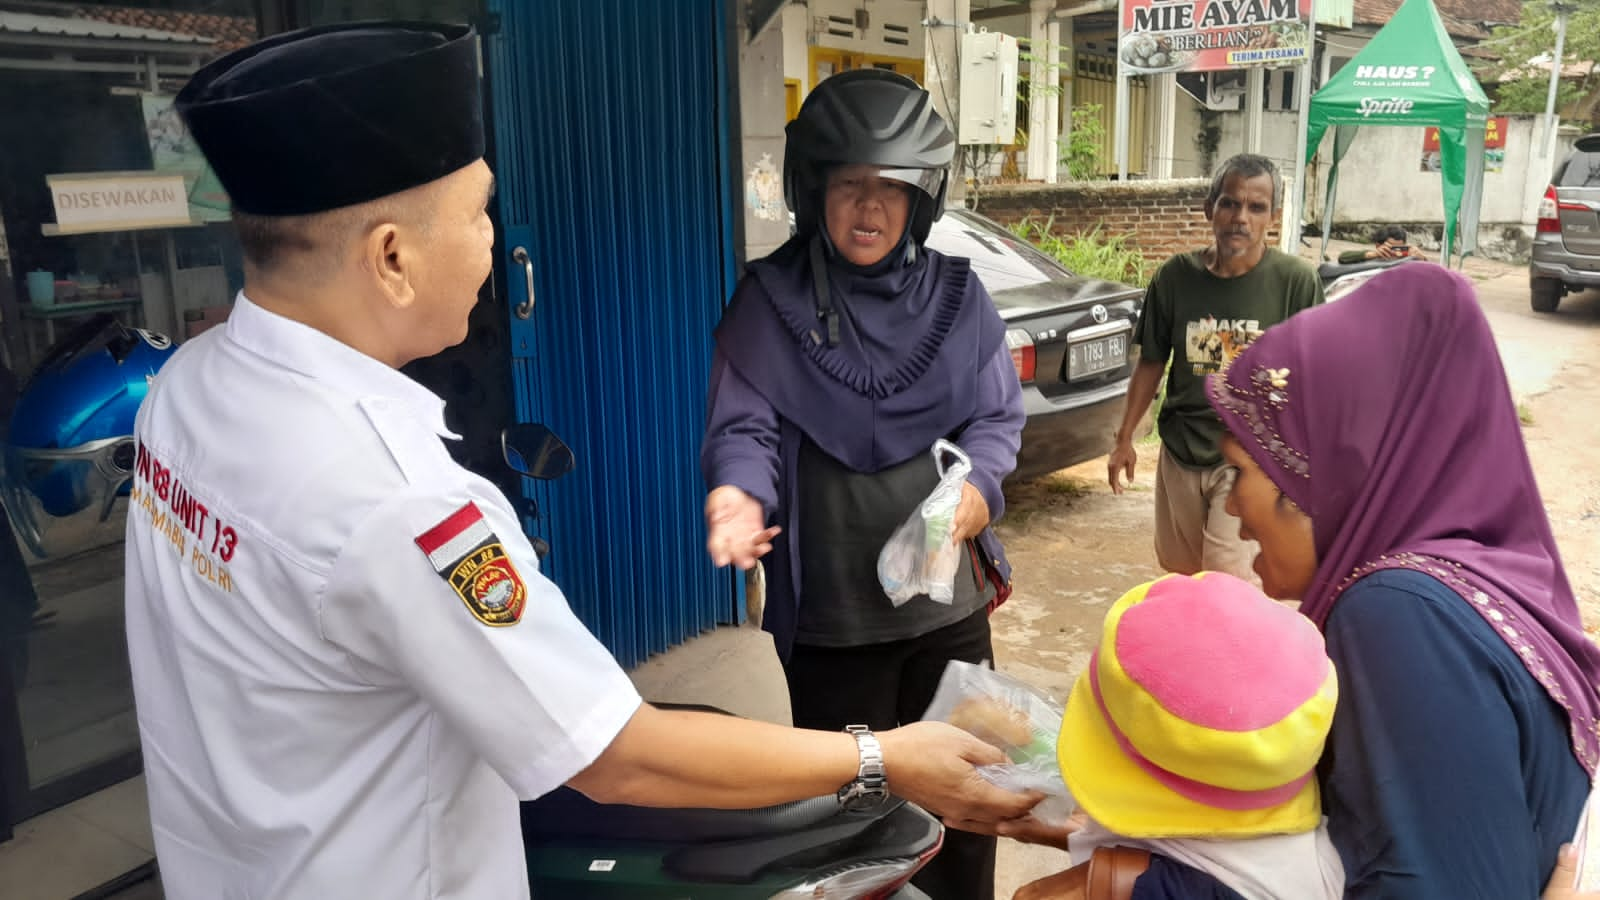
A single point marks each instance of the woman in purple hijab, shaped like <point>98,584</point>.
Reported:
<point>1382,469</point>
<point>841,360</point>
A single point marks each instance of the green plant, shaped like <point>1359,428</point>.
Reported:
<point>1081,154</point>
<point>1092,253</point>
<point>1520,79</point>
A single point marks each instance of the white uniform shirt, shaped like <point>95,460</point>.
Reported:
<point>346,665</point>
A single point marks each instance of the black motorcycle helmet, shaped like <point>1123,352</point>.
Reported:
<point>868,117</point>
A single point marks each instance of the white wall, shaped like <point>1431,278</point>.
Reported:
<point>796,21</point>
<point>761,115</point>
<point>1277,137</point>
<point>874,39</point>
<point>1381,178</point>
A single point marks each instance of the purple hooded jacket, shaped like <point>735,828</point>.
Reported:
<point>921,355</point>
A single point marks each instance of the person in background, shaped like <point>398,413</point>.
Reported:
<point>1201,309</point>
<point>1388,242</point>
<point>843,358</point>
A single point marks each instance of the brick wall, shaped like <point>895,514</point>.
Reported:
<point>1159,217</point>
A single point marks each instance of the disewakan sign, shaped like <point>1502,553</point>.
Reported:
<point>118,201</point>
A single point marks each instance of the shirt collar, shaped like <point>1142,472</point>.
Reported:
<point>327,360</point>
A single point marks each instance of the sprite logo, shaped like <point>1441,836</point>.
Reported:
<point>1394,106</point>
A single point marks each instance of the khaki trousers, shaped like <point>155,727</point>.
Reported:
<point>1193,529</point>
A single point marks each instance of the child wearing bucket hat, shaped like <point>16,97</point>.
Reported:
<point>1194,733</point>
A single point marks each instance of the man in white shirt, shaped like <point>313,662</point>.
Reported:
<point>346,663</point>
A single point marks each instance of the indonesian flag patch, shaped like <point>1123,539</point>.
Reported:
<point>469,557</point>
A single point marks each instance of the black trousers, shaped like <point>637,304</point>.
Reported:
<point>886,685</point>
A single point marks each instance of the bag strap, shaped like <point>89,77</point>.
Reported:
<point>1113,870</point>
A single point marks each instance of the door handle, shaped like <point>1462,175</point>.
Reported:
<point>524,309</point>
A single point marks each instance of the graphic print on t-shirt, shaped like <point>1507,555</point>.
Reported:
<point>1213,343</point>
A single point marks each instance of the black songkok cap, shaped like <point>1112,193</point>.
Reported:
<point>325,117</point>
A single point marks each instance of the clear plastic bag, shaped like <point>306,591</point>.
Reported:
<point>920,558</point>
<point>1015,717</point>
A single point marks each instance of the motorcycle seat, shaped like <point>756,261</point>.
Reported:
<point>566,813</point>
<point>1331,270</point>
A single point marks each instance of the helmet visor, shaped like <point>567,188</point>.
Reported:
<point>925,180</point>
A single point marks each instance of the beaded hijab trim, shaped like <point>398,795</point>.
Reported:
<point>1503,618</point>
<point>1260,403</point>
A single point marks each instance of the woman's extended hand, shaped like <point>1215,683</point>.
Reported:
<point>972,514</point>
<point>735,531</point>
<point>1026,829</point>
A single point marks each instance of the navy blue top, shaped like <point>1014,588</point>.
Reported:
<point>1448,771</point>
<point>1169,880</point>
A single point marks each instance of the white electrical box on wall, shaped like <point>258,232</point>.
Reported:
<point>988,111</point>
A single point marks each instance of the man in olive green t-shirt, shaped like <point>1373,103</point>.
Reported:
<point>1201,310</point>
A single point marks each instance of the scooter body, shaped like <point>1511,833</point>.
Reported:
<point>814,849</point>
<point>811,849</point>
<point>1338,280</point>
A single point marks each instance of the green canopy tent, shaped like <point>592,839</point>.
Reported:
<point>1411,74</point>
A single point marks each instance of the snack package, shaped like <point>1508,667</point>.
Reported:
<point>920,558</point>
<point>1017,718</point>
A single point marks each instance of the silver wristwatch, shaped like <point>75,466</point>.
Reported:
<point>871,785</point>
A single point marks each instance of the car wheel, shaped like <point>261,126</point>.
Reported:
<point>1546,293</point>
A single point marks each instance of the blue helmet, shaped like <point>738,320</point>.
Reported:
<point>70,445</point>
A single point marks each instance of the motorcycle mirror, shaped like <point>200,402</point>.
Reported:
<point>533,450</point>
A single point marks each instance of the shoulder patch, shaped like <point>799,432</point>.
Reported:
<point>465,552</point>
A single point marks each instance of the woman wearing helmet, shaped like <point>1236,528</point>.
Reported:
<point>842,358</point>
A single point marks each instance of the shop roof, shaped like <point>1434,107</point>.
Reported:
<point>226,32</point>
<point>1470,19</point>
<point>69,26</point>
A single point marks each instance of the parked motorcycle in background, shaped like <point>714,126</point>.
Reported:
<point>814,849</point>
<point>66,455</point>
<point>1338,280</point>
<point>69,448</point>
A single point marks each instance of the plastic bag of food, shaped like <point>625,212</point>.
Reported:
<point>920,557</point>
<point>1017,718</point>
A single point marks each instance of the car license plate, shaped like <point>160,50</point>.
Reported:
<point>1086,359</point>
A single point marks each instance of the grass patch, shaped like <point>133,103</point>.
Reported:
<point>1092,253</point>
<point>1045,494</point>
<point>1065,486</point>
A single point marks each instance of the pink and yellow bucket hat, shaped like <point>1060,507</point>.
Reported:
<point>1201,714</point>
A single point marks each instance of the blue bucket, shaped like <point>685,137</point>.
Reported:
<point>41,287</point>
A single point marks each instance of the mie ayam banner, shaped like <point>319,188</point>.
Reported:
<point>1204,35</point>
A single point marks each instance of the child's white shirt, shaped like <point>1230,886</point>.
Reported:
<point>1271,867</point>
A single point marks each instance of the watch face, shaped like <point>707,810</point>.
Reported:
<point>856,797</point>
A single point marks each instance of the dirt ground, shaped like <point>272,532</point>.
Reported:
<point>1076,547</point>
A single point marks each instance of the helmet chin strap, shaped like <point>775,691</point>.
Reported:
<point>820,287</point>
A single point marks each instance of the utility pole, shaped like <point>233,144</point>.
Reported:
<point>946,21</point>
<point>1562,9</point>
